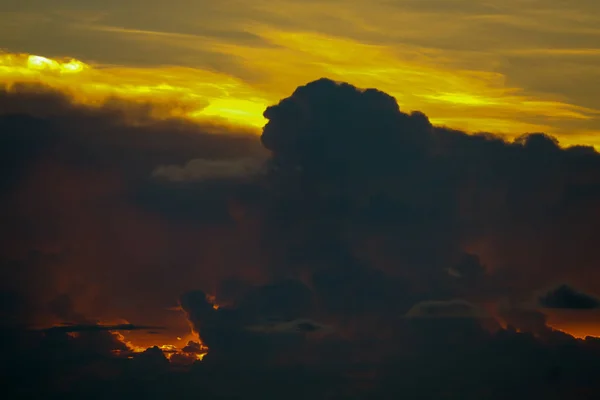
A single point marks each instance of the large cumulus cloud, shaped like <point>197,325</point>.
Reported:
<point>353,241</point>
<point>380,213</point>
<point>426,196</point>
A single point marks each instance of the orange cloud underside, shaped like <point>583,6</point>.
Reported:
<point>140,342</point>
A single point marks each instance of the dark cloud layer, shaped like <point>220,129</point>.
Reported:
<point>354,251</point>
<point>567,297</point>
<point>89,235</point>
<point>91,328</point>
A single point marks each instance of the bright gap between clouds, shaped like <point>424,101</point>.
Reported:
<point>460,99</point>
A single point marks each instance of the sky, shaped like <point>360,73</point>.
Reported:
<point>300,199</point>
<point>497,66</point>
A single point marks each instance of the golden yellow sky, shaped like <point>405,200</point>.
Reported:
<point>504,66</point>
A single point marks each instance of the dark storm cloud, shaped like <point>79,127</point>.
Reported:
<point>422,195</point>
<point>223,331</point>
<point>257,330</point>
<point>40,115</point>
<point>568,298</point>
<point>379,212</point>
<point>300,279</point>
<point>66,168</point>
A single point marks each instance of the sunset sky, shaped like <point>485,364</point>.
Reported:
<point>300,199</point>
<point>500,66</point>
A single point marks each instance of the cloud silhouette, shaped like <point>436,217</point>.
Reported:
<point>298,279</point>
<point>568,298</point>
<point>70,172</point>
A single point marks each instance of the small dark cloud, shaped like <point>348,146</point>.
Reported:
<point>565,297</point>
<point>151,361</point>
<point>192,347</point>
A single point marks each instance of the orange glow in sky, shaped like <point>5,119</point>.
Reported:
<point>469,100</point>
<point>139,343</point>
<point>578,323</point>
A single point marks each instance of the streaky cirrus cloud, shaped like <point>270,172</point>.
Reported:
<point>468,99</point>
